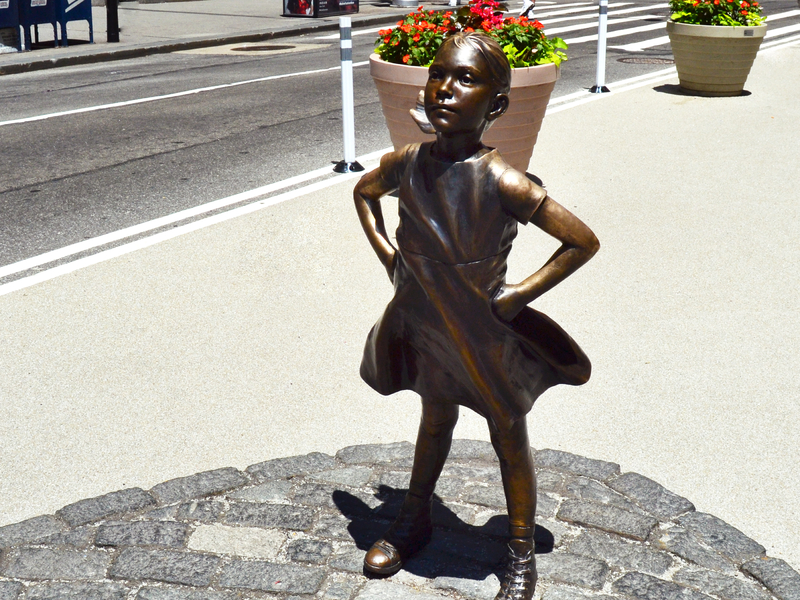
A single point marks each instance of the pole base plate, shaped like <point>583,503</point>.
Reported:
<point>347,167</point>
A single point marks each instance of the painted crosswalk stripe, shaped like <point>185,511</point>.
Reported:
<point>619,33</point>
<point>548,22</point>
<point>611,22</point>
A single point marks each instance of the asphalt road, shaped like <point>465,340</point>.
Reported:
<point>73,177</point>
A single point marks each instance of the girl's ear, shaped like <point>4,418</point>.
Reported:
<point>498,106</point>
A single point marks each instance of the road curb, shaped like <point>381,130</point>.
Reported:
<point>186,44</point>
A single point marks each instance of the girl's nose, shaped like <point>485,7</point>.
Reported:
<point>445,89</point>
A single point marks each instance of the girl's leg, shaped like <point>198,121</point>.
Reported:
<point>519,482</point>
<point>412,529</point>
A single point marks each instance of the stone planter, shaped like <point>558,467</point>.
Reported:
<point>514,134</point>
<point>714,60</point>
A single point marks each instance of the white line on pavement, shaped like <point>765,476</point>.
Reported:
<point>593,25</point>
<point>212,88</point>
<point>554,106</point>
<point>548,22</point>
<point>177,231</point>
<point>660,41</point>
<point>620,33</point>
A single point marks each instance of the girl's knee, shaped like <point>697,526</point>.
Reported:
<point>438,418</point>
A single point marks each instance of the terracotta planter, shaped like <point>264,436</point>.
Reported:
<point>714,60</point>
<point>514,134</point>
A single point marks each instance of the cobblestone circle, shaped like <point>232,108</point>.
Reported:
<point>297,528</point>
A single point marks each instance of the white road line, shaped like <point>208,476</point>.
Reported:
<point>639,46</point>
<point>212,88</point>
<point>548,22</point>
<point>593,25</point>
<point>102,240</point>
<point>780,43</point>
<point>782,30</point>
<point>178,231</point>
<point>620,33</point>
<point>660,41</point>
<point>571,11</point>
<point>554,106</point>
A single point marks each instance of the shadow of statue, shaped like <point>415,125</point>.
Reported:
<point>457,549</point>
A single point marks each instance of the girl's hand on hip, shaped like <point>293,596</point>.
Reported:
<point>508,302</point>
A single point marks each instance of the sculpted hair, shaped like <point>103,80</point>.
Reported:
<point>492,53</point>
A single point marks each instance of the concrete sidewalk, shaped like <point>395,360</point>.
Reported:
<point>241,342</point>
<point>169,26</point>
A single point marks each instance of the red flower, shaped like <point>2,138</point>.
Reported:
<point>405,58</point>
<point>538,25</point>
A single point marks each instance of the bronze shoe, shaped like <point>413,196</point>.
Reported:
<point>409,534</point>
<point>519,579</point>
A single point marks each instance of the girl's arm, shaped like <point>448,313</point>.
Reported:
<point>578,245</point>
<point>367,194</point>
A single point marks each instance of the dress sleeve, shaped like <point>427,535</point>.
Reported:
<point>519,195</point>
<point>393,165</point>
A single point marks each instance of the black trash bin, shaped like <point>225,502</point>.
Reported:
<point>33,13</point>
<point>73,10</point>
<point>319,8</point>
<point>9,17</point>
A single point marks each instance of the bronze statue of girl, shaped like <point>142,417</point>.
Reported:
<point>455,331</point>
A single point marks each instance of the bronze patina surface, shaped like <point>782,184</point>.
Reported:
<point>456,332</point>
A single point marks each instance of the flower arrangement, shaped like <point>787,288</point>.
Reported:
<point>716,12</point>
<point>418,36</point>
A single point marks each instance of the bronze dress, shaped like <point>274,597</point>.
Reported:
<point>439,335</point>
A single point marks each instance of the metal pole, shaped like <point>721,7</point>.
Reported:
<point>602,29</point>
<point>112,21</point>
<point>349,164</point>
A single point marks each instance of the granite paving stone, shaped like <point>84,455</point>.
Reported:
<point>251,542</point>
<point>80,537</point>
<point>142,533</point>
<point>198,485</point>
<point>776,575</point>
<point>298,518</point>
<point>620,552</point>
<point>166,593</point>
<point>584,488</point>
<point>398,480</point>
<point>168,566</point>
<point>284,468</point>
<point>30,530</point>
<point>573,569</point>
<point>687,545</point>
<point>646,587</point>
<point>387,590</point>
<point>82,591</point>
<point>376,453</point>
<point>723,586</point>
<point>105,506</point>
<point>356,476</point>
<point>271,577</point>
<point>578,465</point>
<point>549,481</point>
<point>608,518</point>
<point>472,589</point>
<point>48,563</point>
<point>724,538</point>
<point>271,491</point>
<point>339,587</point>
<point>569,593</point>
<point>298,528</point>
<point>651,496</point>
<point>480,473</point>
<point>309,550</point>
<point>348,558</point>
<point>472,450</point>
<point>205,511</point>
<point>10,590</point>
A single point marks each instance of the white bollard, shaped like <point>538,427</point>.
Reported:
<point>349,164</point>
<point>602,31</point>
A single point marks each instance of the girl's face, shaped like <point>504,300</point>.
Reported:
<point>460,96</point>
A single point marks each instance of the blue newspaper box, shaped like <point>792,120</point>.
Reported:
<point>73,10</point>
<point>33,13</point>
<point>9,17</point>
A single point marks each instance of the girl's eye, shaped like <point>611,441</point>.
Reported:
<point>466,79</point>
<point>434,75</point>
